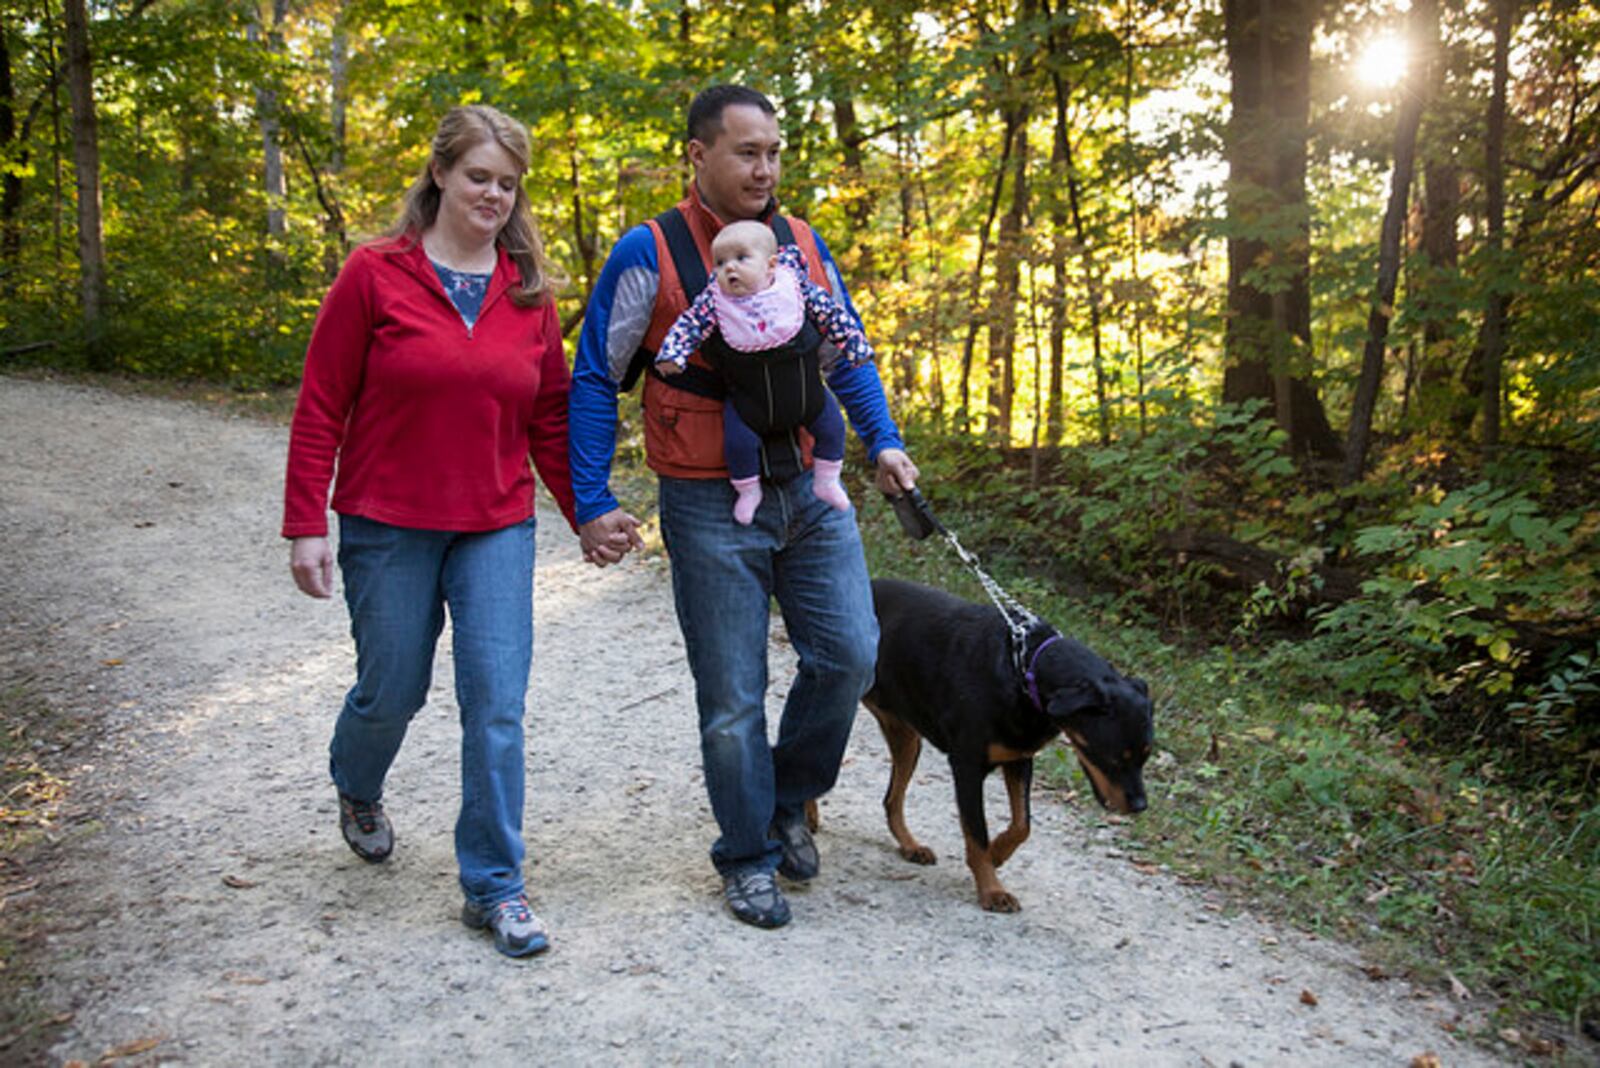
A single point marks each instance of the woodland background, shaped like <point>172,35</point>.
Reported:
<point>1256,339</point>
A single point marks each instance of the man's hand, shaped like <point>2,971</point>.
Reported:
<point>311,563</point>
<point>896,472</point>
<point>606,539</point>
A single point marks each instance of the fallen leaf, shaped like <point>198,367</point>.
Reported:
<point>243,979</point>
<point>1511,1035</point>
<point>1145,868</point>
<point>1307,998</point>
<point>112,663</point>
<point>133,1049</point>
<point>1429,1059</point>
<point>1458,989</point>
<point>1375,973</point>
<point>236,882</point>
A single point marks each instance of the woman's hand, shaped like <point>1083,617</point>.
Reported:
<point>608,538</point>
<point>311,563</point>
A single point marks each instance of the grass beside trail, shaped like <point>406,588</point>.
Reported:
<point>1438,865</point>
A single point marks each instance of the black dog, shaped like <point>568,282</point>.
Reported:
<point>946,673</point>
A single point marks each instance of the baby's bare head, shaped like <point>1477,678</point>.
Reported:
<point>745,235</point>
<point>743,255</point>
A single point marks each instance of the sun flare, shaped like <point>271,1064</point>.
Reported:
<point>1382,62</point>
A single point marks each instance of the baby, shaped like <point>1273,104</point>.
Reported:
<point>760,324</point>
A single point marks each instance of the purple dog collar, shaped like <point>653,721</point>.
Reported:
<point>1028,676</point>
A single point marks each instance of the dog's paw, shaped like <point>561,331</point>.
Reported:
<point>920,855</point>
<point>999,901</point>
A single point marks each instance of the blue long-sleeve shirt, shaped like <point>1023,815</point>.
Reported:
<point>614,327</point>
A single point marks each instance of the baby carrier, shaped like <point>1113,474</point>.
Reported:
<point>774,390</point>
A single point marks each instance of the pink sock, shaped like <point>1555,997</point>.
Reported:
<point>825,483</point>
<point>749,491</point>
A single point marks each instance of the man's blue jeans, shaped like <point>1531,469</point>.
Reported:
<point>807,555</point>
<point>398,583</point>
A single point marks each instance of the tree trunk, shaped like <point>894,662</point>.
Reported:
<point>11,181</point>
<point>1494,189</point>
<point>1091,271</point>
<point>267,117</point>
<point>86,157</point>
<point>339,103</point>
<point>974,320</point>
<point>857,204</point>
<point>1269,297</point>
<point>1441,211</point>
<point>1424,20</point>
<point>1060,152</point>
<point>1008,272</point>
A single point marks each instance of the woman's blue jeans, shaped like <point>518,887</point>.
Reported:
<point>807,555</point>
<point>398,583</point>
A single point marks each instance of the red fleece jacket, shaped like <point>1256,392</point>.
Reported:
<point>432,423</point>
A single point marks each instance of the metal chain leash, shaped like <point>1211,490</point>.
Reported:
<point>918,520</point>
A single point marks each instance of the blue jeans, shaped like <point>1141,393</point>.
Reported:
<point>398,582</point>
<point>808,555</point>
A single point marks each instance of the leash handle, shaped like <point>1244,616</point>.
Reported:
<point>916,517</point>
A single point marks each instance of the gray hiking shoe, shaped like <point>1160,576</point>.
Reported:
<point>799,861</point>
<point>366,829</point>
<point>517,931</point>
<point>755,898</point>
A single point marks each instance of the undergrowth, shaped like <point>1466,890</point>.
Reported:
<point>1447,854</point>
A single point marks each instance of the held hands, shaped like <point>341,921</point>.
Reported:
<point>896,472</point>
<point>669,367</point>
<point>311,563</point>
<point>608,538</point>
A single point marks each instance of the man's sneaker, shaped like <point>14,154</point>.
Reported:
<point>755,898</point>
<point>517,931</point>
<point>799,861</point>
<point>366,828</point>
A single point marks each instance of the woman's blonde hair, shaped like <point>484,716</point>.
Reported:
<point>460,131</point>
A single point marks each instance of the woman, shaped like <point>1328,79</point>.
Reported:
<point>435,371</point>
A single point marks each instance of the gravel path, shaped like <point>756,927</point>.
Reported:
<point>209,913</point>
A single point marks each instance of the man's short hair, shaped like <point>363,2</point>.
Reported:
<point>705,112</point>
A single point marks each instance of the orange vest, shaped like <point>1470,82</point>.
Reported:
<point>682,430</point>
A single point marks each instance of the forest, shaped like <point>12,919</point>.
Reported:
<point>1257,338</point>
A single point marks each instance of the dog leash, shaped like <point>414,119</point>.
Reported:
<point>918,521</point>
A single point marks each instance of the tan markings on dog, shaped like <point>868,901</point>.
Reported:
<point>991,895</point>
<point>905,746</point>
<point>1110,795</point>
<point>1002,847</point>
<point>1004,754</point>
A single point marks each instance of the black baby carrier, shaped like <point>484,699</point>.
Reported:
<point>774,390</point>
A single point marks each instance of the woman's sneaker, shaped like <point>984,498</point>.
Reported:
<point>517,931</point>
<point>366,829</point>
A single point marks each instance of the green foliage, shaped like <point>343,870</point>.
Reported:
<point>1454,575</point>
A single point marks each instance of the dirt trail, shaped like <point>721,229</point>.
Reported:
<point>211,907</point>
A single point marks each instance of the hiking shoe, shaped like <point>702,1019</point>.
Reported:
<point>517,931</point>
<point>366,829</point>
<point>755,898</point>
<point>800,860</point>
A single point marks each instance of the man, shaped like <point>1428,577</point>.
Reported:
<point>798,549</point>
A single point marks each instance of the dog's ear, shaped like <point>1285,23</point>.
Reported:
<point>1077,698</point>
<point>1138,684</point>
